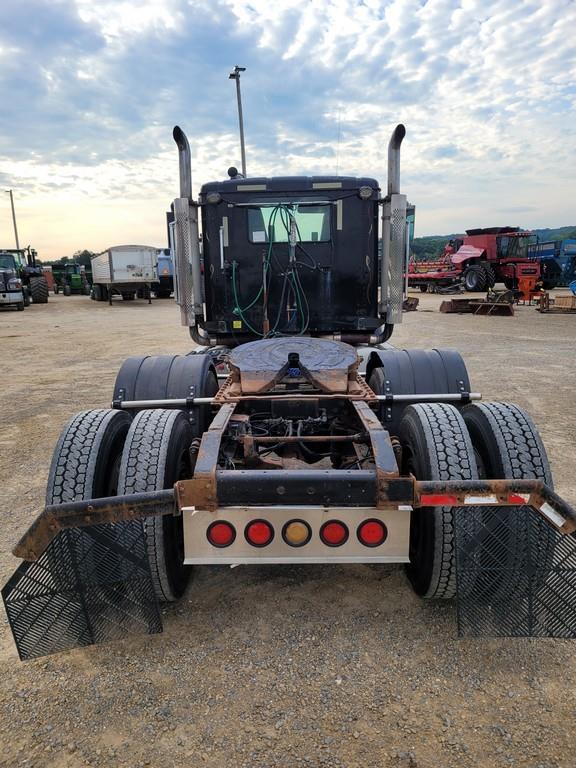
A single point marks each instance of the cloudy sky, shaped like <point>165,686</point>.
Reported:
<point>92,88</point>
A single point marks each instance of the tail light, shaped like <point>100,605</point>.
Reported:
<point>259,533</point>
<point>296,533</point>
<point>221,533</point>
<point>334,533</point>
<point>372,533</point>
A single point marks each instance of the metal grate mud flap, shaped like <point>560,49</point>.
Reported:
<point>90,585</point>
<point>516,575</point>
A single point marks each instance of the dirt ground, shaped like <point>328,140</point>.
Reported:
<point>279,666</point>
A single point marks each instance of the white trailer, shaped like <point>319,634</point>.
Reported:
<point>125,270</point>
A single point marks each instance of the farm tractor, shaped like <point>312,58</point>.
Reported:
<point>71,279</point>
<point>34,283</point>
<point>479,260</point>
<point>293,433</point>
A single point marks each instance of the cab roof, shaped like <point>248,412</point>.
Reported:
<point>289,184</point>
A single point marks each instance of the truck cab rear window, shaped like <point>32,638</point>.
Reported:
<point>272,222</point>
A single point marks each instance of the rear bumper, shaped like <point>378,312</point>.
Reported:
<point>85,581</point>
<point>330,489</point>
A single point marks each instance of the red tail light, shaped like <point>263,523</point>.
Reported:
<point>334,533</point>
<point>259,533</point>
<point>372,533</point>
<point>220,533</point>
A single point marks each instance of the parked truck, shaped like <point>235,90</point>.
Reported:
<point>124,270</point>
<point>323,443</point>
<point>478,260</point>
<point>11,289</point>
<point>165,271</point>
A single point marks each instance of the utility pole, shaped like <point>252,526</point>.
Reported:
<point>235,75</point>
<point>14,218</point>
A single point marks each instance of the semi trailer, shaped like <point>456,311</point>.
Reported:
<point>124,270</point>
<point>319,443</point>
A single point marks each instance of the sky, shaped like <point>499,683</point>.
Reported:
<point>91,90</point>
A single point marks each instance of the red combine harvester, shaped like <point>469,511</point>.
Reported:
<point>478,260</point>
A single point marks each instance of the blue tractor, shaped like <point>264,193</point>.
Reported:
<point>557,260</point>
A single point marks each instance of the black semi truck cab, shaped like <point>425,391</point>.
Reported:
<point>290,255</point>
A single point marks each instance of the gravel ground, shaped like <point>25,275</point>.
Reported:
<point>279,666</point>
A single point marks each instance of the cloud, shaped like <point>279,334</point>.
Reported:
<point>91,91</point>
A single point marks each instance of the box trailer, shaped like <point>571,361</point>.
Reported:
<point>125,270</point>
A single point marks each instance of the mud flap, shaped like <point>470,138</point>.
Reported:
<point>516,574</point>
<point>89,586</point>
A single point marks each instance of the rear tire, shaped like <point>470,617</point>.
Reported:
<point>423,288</point>
<point>86,460</point>
<point>85,465</point>
<point>20,306</point>
<point>67,290</point>
<point>436,446</point>
<point>507,445</point>
<point>39,290</point>
<point>156,455</point>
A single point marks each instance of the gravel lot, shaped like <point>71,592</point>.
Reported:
<point>279,666</point>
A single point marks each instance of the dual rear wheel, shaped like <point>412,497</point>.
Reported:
<point>105,452</point>
<point>488,440</point>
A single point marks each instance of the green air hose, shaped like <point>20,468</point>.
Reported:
<point>291,274</point>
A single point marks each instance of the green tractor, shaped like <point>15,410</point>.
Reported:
<point>70,278</point>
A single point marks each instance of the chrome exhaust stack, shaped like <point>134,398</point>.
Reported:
<point>184,162</point>
<point>187,271</point>
<point>393,236</point>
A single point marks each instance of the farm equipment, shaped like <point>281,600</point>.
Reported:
<point>34,283</point>
<point>124,270</point>
<point>479,260</point>
<point>500,303</point>
<point>11,292</point>
<point>557,259</point>
<point>321,444</point>
<point>70,279</point>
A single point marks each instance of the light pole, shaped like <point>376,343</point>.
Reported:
<point>235,75</point>
<point>9,191</point>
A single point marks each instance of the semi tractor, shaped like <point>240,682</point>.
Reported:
<point>478,260</point>
<point>11,290</point>
<point>320,443</point>
<point>165,271</point>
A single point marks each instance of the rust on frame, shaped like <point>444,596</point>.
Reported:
<point>200,491</point>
